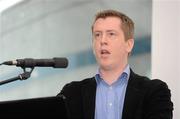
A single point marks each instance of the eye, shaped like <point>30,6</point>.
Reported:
<point>97,35</point>
<point>111,33</point>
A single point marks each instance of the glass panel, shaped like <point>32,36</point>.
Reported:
<point>62,28</point>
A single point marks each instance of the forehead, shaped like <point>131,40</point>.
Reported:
<point>107,23</point>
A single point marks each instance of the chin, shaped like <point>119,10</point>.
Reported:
<point>105,66</point>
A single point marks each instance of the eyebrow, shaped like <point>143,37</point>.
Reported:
<point>110,31</point>
<point>106,31</point>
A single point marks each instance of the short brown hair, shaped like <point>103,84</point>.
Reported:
<point>127,23</point>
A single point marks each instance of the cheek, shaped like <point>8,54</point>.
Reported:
<point>119,49</point>
<point>95,48</point>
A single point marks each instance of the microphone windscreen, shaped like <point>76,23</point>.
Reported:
<point>60,62</point>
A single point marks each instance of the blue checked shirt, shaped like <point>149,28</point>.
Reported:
<point>110,98</point>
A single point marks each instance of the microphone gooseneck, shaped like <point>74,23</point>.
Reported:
<point>56,62</point>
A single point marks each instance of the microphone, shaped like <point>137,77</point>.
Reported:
<point>30,62</point>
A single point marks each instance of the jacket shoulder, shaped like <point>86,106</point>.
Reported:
<point>74,87</point>
<point>156,96</point>
<point>79,83</point>
<point>144,82</point>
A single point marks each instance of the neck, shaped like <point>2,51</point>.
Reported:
<point>111,75</point>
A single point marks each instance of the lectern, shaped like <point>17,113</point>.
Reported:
<point>42,107</point>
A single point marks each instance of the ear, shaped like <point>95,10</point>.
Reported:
<point>129,45</point>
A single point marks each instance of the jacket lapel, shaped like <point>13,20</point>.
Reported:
<point>89,94</point>
<point>133,97</point>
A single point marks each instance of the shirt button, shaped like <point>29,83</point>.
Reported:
<point>110,87</point>
<point>110,104</point>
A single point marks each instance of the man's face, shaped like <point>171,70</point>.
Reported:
<point>109,45</point>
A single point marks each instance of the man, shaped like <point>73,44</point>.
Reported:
<point>116,92</point>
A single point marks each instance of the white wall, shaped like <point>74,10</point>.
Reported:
<point>166,47</point>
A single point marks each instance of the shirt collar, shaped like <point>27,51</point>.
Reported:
<point>125,74</point>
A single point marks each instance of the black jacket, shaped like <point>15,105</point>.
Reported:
<point>144,99</point>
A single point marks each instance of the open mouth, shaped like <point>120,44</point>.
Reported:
<point>104,52</point>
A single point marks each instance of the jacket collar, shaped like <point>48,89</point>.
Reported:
<point>133,96</point>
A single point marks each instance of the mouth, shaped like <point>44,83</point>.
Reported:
<point>105,52</point>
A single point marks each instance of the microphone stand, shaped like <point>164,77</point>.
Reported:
<point>22,76</point>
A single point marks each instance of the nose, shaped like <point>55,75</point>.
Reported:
<point>104,40</point>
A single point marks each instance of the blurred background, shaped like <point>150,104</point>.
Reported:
<point>58,28</point>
